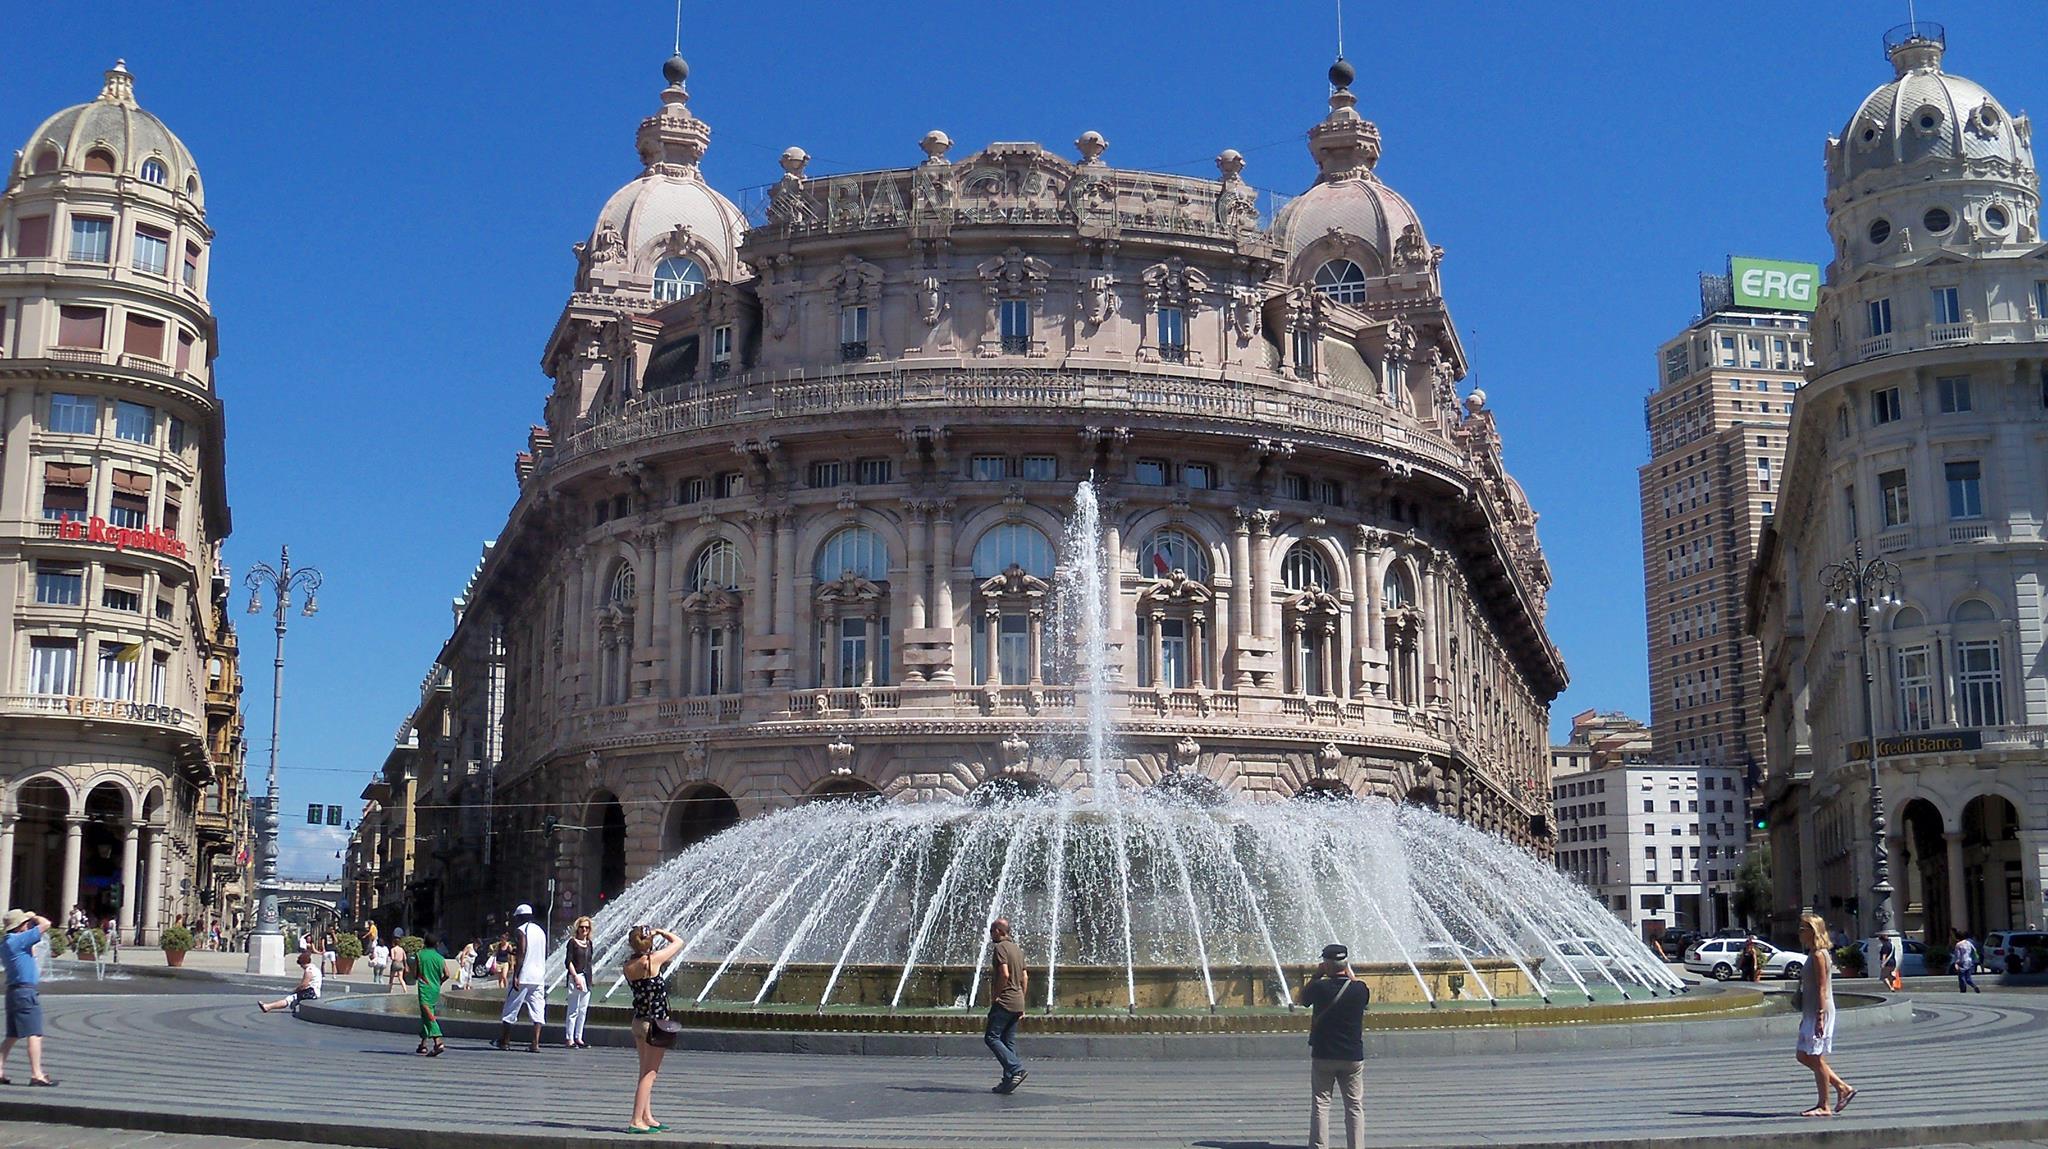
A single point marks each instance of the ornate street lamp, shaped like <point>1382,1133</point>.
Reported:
<point>1868,587</point>
<point>266,942</point>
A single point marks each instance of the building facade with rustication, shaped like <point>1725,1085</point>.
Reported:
<point>1919,441</point>
<point>791,528</point>
<point>121,747</point>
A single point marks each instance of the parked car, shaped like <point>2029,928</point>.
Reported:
<point>1674,943</point>
<point>1912,963</point>
<point>1448,952</point>
<point>1593,961</point>
<point>1721,959</point>
<point>2005,951</point>
<point>1731,932</point>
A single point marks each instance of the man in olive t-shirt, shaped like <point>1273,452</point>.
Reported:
<point>1007,980</point>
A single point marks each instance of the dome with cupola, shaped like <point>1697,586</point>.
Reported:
<point>1350,214</point>
<point>1929,122</point>
<point>668,228</point>
<point>112,136</point>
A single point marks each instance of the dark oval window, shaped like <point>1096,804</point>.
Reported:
<point>1995,218</point>
<point>1880,230</point>
<point>1937,220</point>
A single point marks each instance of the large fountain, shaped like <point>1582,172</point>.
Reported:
<point>1173,899</point>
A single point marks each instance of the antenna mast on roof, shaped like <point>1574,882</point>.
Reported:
<point>679,27</point>
<point>1340,29</point>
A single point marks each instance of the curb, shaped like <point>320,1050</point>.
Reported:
<point>423,1136</point>
<point>395,1014</point>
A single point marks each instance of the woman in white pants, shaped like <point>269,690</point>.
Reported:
<point>579,962</point>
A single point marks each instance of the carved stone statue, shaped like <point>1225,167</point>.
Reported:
<point>1098,300</point>
<point>931,300</point>
<point>1411,253</point>
<point>1247,316</point>
<point>607,245</point>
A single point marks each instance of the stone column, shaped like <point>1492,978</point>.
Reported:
<point>1240,591</point>
<point>152,906</point>
<point>1197,624</point>
<point>1333,666</point>
<point>696,665</point>
<point>762,599</point>
<point>74,841</point>
<point>919,574</point>
<point>1262,582</point>
<point>784,620</point>
<point>648,592</point>
<point>942,585</point>
<point>1364,610</point>
<point>7,861</point>
<point>992,645</point>
<point>129,900</point>
<point>1153,661</point>
<point>1118,619</point>
<point>1958,894</point>
<point>1035,647</point>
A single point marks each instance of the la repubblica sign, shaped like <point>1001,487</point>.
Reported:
<point>1946,742</point>
<point>97,530</point>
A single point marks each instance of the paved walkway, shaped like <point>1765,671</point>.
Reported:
<point>190,1063</point>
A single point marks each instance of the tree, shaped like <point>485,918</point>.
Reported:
<point>1753,885</point>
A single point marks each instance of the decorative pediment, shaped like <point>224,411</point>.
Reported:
<point>1015,585</point>
<point>849,589</point>
<point>857,281</point>
<point>1174,284</point>
<point>712,600</point>
<point>1014,275</point>
<point>1176,589</point>
<point>1315,600</point>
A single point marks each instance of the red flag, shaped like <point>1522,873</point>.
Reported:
<point>1159,564</point>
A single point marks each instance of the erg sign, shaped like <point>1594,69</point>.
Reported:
<point>1774,284</point>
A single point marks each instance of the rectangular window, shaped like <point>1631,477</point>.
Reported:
<point>174,433</point>
<point>117,670</point>
<point>1955,394</point>
<point>693,490</point>
<point>1891,487</point>
<point>192,266</point>
<point>74,414</point>
<point>1328,492</point>
<point>166,610</point>
<point>1015,326</point>
<point>875,472</point>
<point>183,361</point>
<point>731,484</point>
<point>2041,299</point>
<point>1884,406</point>
<point>121,589</point>
<point>829,474</point>
<point>721,343</point>
<point>144,336</point>
<point>1727,351</point>
<point>1980,694</point>
<point>1173,336</point>
<point>152,252</point>
<point>1294,487</point>
<point>989,467</point>
<point>66,488</point>
<point>84,327</point>
<point>1877,316</point>
<point>1915,672</point>
<point>52,665</point>
<point>853,333</point>
<point>129,506</point>
<point>1944,305</point>
<point>1041,467</point>
<point>1153,472</point>
<point>173,508</point>
<point>32,238</point>
<point>1305,354</point>
<point>1198,476</point>
<point>92,239</point>
<point>159,677</point>
<point>134,422</point>
<point>60,584</point>
<point>1965,490</point>
<point>1849,506</point>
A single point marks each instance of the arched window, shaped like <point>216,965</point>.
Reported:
<point>615,638</point>
<point>99,160</point>
<point>1398,591</point>
<point>1341,280</point>
<point>1172,549</point>
<point>153,172</point>
<point>855,549</point>
<point>1973,610</point>
<point>1907,618</point>
<point>46,161</point>
<point>1013,544</point>
<point>718,568</point>
<point>622,585</point>
<point>1304,568</point>
<point>677,278</point>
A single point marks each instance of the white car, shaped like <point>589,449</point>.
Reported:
<point>1913,963</point>
<point>1721,959</point>
<point>2005,951</point>
<point>1593,961</point>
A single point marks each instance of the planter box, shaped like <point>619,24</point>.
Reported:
<point>174,957</point>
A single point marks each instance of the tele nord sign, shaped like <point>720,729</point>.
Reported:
<point>1774,284</point>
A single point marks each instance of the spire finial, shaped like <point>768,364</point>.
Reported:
<point>1340,29</point>
<point>679,29</point>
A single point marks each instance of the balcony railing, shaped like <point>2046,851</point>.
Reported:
<point>1969,532</point>
<point>76,354</point>
<point>1896,540</point>
<point>853,351</point>
<point>1874,346</point>
<point>1942,334</point>
<point>102,710</point>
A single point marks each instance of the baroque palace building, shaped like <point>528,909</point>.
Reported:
<point>121,747</point>
<point>1922,439</point>
<point>792,527</point>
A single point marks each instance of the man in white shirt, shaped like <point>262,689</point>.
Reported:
<point>527,988</point>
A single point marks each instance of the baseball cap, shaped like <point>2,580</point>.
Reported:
<point>1336,951</point>
<point>524,911</point>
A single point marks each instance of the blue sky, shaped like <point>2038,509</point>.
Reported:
<point>396,187</point>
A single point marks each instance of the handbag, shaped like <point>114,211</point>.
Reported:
<point>662,1032</point>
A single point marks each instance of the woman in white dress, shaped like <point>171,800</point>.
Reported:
<point>1817,1017</point>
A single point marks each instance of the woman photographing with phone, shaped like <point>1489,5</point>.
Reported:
<point>653,1032</point>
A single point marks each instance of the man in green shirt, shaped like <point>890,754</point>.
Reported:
<point>429,969</point>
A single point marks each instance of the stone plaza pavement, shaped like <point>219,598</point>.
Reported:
<point>1964,1071</point>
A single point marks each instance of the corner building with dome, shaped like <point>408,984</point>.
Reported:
<point>121,745</point>
<point>1918,441</point>
<point>792,529</point>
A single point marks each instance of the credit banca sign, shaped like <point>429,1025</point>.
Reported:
<point>1773,284</point>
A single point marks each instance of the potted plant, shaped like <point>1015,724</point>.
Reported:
<point>174,940</point>
<point>347,948</point>
<point>92,944</point>
<point>412,944</point>
<point>59,942</point>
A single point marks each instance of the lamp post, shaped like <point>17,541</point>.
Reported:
<point>1867,586</point>
<point>266,941</point>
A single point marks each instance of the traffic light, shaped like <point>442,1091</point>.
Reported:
<point>1762,823</point>
<point>548,822</point>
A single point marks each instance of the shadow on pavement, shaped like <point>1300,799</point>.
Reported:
<point>1749,1113</point>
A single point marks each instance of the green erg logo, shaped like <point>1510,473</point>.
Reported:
<point>1774,284</point>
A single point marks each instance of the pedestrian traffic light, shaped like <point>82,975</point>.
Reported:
<point>1762,823</point>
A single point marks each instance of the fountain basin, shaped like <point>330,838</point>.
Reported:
<point>1158,987</point>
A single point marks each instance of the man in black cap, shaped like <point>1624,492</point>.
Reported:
<point>1336,1040</point>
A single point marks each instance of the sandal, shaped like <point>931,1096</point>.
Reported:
<point>439,1049</point>
<point>1842,1101</point>
<point>1818,1111</point>
<point>43,1081</point>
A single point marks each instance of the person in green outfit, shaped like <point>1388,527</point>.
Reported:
<point>429,970</point>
